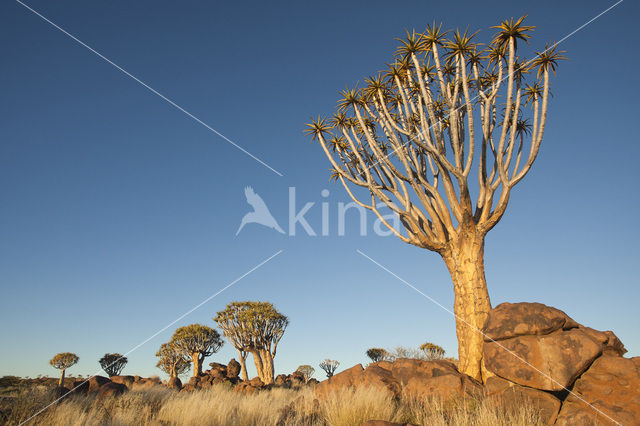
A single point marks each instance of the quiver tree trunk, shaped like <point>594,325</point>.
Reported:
<point>464,257</point>
<point>61,381</point>
<point>197,359</point>
<point>263,360</point>
<point>243,364</point>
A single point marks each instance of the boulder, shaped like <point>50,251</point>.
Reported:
<point>283,381</point>
<point>509,320</point>
<point>174,383</point>
<point>96,382</point>
<point>297,379</point>
<point>611,345</point>
<point>405,377</point>
<point>607,393</point>
<point>550,362</point>
<point>233,369</point>
<point>128,381</point>
<point>218,370</point>
<point>60,392</point>
<point>80,386</point>
<point>111,389</point>
<point>344,379</point>
<point>251,386</point>
<point>511,396</point>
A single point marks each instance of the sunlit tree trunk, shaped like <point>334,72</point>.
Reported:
<point>267,366</point>
<point>465,260</point>
<point>197,364</point>
<point>257,360</point>
<point>61,381</point>
<point>243,364</point>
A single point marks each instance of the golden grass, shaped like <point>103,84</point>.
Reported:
<point>282,407</point>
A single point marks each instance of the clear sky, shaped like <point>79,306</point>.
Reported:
<point>119,212</point>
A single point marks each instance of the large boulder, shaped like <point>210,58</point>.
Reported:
<point>607,393</point>
<point>233,369</point>
<point>251,386</point>
<point>551,362</point>
<point>538,346</point>
<point>511,397</point>
<point>521,319</point>
<point>405,377</point>
<point>218,370</point>
<point>128,381</point>
<point>96,382</point>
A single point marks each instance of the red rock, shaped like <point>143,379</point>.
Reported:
<point>110,390</point>
<point>96,382</point>
<point>511,396</point>
<point>611,387</point>
<point>124,380</point>
<point>550,362</point>
<point>509,320</point>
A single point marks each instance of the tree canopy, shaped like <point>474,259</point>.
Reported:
<point>376,354</point>
<point>172,360</point>
<point>256,328</point>
<point>307,371</point>
<point>432,351</point>
<point>329,366</point>
<point>113,364</point>
<point>64,360</point>
<point>196,341</point>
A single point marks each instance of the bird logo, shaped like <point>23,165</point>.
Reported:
<point>260,213</point>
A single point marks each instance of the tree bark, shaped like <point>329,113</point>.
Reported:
<point>257,360</point>
<point>464,257</point>
<point>61,381</point>
<point>197,364</point>
<point>267,367</point>
<point>243,364</point>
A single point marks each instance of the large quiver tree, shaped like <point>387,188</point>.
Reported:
<point>412,135</point>
<point>256,328</point>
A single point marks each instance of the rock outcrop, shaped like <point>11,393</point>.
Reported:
<point>571,373</point>
<point>404,378</point>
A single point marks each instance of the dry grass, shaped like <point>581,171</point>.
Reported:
<point>283,407</point>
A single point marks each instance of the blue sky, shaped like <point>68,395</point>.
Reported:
<point>119,212</point>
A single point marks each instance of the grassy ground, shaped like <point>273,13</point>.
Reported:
<point>221,406</point>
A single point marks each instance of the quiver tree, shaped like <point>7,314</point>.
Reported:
<point>196,342</point>
<point>307,371</point>
<point>446,111</point>
<point>376,354</point>
<point>329,366</point>
<point>113,364</point>
<point>172,360</point>
<point>256,328</point>
<point>63,361</point>
<point>432,351</point>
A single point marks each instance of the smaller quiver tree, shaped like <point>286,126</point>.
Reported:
<point>307,371</point>
<point>113,364</point>
<point>172,360</point>
<point>329,366</point>
<point>432,351</point>
<point>376,354</point>
<point>63,361</point>
<point>256,328</point>
<point>197,341</point>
